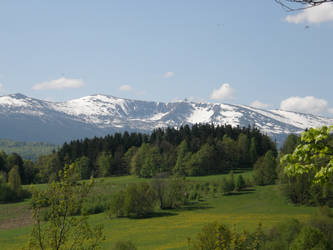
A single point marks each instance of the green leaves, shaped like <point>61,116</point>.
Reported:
<point>63,230</point>
<point>313,154</point>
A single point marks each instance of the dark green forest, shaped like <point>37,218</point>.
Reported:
<point>202,149</point>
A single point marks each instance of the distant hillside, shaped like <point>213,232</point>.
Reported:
<point>27,150</point>
<point>28,119</point>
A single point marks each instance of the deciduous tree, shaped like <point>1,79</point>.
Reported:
<point>63,230</point>
<point>313,155</point>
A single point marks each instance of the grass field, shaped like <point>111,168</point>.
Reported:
<point>171,229</point>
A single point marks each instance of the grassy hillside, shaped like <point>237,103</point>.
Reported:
<point>171,228</point>
<point>27,150</point>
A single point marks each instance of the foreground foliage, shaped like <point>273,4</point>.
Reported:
<point>62,200</point>
<point>289,234</point>
<point>305,171</point>
<point>313,155</point>
<point>216,236</point>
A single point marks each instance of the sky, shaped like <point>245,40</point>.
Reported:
<point>240,52</point>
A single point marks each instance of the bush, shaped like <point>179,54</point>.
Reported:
<point>170,192</point>
<point>116,206</point>
<point>228,184</point>
<point>309,238</point>
<point>281,235</point>
<point>124,245</point>
<point>194,196</point>
<point>136,201</point>
<point>219,236</point>
<point>139,200</point>
<point>210,236</point>
<point>324,222</point>
<point>95,204</point>
<point>240,183</point>
<point>7,194</point>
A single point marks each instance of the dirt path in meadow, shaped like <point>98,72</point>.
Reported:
<point>15,216</point>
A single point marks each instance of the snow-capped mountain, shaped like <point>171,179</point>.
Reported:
<point>29,119</point>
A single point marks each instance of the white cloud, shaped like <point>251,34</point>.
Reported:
<point>307,104</point>
<point>2,89</point>
<point>259,105</point>
<point>318,14</point>
<point>223,93</point>
<point>330,110</point>
<point>169,74</point>
<point>60,83</point>
<point>125,87</point>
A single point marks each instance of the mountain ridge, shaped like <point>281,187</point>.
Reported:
<point>31,119</point>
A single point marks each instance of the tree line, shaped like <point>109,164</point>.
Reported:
<point>191,151</point>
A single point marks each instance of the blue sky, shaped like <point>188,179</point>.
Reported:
<point>217,51</point>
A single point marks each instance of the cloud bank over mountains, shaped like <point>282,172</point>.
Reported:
<point>61,83</point>
<point>307,104</point>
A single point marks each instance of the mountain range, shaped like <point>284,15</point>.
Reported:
<point>24,118</point>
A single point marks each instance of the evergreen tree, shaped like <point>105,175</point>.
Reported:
<point>3,161</point>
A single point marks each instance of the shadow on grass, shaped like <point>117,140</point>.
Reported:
<point>158,214</point>
<point>194,205</point>
<point>245,191</point>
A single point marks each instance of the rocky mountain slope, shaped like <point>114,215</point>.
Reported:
<point>29,119</point>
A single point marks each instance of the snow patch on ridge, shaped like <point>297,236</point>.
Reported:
<point>108,113</point>
<point>158,116</point>
<point>12,102</point>
<point>200,115</point>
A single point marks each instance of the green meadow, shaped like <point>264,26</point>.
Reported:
<point>168,229</point>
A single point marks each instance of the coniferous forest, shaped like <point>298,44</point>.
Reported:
<point>188,151</point>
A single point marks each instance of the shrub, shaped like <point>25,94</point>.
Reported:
<point>240,183</point>
<point>228,184</point>
<point>124,245</point>
<point>7,194</point>
<point>219,236</point>
<point>95,204</point>
<point>309,238</point>
<point>136,201</point>
<point>116,206</point>
<point>171,192</point>
<point>281,235</point>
